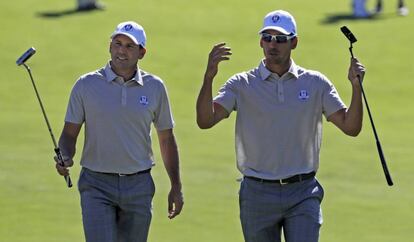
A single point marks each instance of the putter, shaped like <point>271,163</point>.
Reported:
<point>352,40</point>
<point>21,61</point>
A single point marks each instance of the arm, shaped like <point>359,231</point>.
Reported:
<point>209,114</point>
<point>169,153</point>
<point>67,145</point>
<point>350,120</point>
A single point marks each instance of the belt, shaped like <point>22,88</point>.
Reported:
<point>289,180</point>
<point>121,174</point>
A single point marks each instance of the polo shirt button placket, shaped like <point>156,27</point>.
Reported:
<point>280,93</point>
<point>124,95</point>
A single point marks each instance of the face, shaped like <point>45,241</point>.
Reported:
<point>277,52</point>
<point>125,54</point>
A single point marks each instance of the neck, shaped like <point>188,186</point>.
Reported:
<point>126,73</point>
<point>278,68</point>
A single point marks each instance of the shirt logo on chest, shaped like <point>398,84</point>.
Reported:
<point>303,95</point>
<point>143,100</point>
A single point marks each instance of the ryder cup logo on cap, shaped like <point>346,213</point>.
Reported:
<point>132,30</point>
<point>281,21</point>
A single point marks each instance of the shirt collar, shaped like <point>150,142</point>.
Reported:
<point>110,75</point>
<point>266,73</point>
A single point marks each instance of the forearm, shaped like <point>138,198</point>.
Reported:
<point>206,115</point>
<point>350,121</point>
<point>169,153</point>
<point>67,145</point>
<point>354,114</point>
<point>67,140</point>
<point>205,109</point>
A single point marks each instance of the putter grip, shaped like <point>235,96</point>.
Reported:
<point>384,165</point>
<point>60,158</point>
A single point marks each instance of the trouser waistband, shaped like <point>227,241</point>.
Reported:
<point>121,174</point>
<point>289,180</point>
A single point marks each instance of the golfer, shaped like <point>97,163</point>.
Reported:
<point>278,132</point>
<point>118,103</point>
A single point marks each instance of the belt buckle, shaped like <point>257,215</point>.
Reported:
<point>121,175</point>
<point>281,182</point>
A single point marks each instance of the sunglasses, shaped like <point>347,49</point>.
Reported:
<point>278,38</point>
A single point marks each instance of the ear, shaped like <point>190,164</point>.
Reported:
<point>142,52</point>
<point>294,43</point>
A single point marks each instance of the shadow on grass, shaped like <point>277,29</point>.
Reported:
<point>334,18</point>
<point>63,13</point>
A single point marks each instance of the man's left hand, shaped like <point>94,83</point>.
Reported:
<point>175,201</point>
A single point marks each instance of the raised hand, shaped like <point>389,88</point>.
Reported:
<point>219,53</point>
<point>356,69</point>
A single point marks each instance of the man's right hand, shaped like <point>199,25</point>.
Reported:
<point>220,52</point>
<point>63,169</point>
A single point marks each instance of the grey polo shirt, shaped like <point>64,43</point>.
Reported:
<point>279,119</point>
<point>118,117</point>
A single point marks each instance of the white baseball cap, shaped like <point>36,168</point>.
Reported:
<point>281,21</point>
<point>132,30</point>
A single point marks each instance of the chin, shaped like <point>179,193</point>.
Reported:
<point>273,60</point>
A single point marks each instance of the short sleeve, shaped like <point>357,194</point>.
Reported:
<point>163,116</point>
<point>227,95</point>
<point>75,112</point>
<point>331,101</point>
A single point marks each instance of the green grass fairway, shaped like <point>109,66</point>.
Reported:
<point>35,204</point>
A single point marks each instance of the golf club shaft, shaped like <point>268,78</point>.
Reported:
<point>348,34</point>
<point>352,53</point>
<point>56,148</point>
<point>381,154</point>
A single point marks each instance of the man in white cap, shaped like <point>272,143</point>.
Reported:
<point>278,132</point>
<point>402,9</point>
<point>86,5</point>
<point>118,103</point>
<point>359,9</point>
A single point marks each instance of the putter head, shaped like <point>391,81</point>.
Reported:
<point>348,34</point>
<point>26,55</point>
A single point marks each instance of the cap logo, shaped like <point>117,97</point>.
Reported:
<point>275,18</point>
<point>128,27</point>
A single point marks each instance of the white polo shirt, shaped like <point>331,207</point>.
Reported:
<point>279,119</point>
<point>118,117</point>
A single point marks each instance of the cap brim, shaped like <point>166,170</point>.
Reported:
<point>281,30</point>
<point>127,35</point>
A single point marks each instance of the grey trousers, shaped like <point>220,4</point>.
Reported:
<point>267,208</point>
<point>116,208</point>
